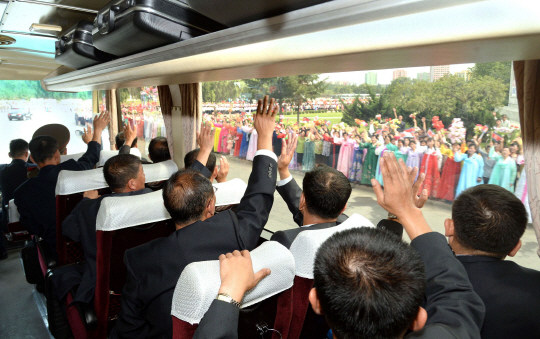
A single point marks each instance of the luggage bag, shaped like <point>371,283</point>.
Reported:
<point>125,27</point>
<point>76,50</point>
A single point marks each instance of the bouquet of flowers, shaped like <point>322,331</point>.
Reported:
<point>394,123</point>
<point>479,129</point>
<point>456,131</point>
<point>378,117</point>
<point>360,123</point>
<point>413,116</point>
<point>437,124</point>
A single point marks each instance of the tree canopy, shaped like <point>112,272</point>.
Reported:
<point>291,89</point>
<point>26,89</point>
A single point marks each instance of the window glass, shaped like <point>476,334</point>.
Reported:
<point>140,106</point>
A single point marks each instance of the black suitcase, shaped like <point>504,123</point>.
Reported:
<point>130,26</point>
<point>76,50</point>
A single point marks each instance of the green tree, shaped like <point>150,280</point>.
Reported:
<point>496,70</point>
<point>366,111</point>
<point>291,89</point>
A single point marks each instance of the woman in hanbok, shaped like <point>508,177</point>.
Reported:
<point>450,175</point>
<point>252,149</point>
<point>402,152</point>
<point>309,153</point>
<point>300,148</point>
<point>355,173</point>
<point>431,163</point>
<point>472,170</point>
<point>318,148</point>
<point>246,130</point>
<point>414,156</point>
<point>504,171</point>
<point>370,160</point>
<point>238,142</point>
<point>216,136</point>
<point>327,146</point>
<point>293,165</point>
<point>336,148</point>
<point>522,194</point>
<point>387,147</point>
<point>223,137</point>
<point>346,155</point>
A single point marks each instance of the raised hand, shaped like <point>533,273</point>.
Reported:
<point>264,122</point>
<point>205,140</point>
<point>287,153</point>
<point>100,123</point>
<point>130,133</point>
<point>223,170</point>
<point>237,276</point>
<point>398,196</point>
<point>419,201</point>
<point>87,135</point>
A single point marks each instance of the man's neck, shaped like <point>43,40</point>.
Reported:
<point>46,163</point>
<point>21,158</point>
<point>310,219</point>
<point>460,250</point>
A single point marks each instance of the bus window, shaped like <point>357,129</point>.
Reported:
<point>25,106</point>
<point>140,107</point>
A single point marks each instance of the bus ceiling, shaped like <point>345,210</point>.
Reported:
<point>332,36</point>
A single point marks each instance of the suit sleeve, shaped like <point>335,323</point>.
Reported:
<point>281,237</point>
<point>199,167</point>
<point>450,299</point>
<point>254,208</point>
<point>87,161</point>
<point>126,149</point>
<point>130,323</point>
<point>291,193</point>
<point>219,322</point>
<point>71,226</point>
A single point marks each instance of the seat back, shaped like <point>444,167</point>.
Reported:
<point>229,194</point>
<point>67,157</point>
<point>199,284</point>
<point>123,223</point>
<point>69,192</point>
<point>305,323</point>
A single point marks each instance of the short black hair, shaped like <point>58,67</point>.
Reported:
<point>42,148</point>
<point>120,169</point>
<point>158,150</point>
<point>472,145</point>
<point>120,139</point>
<point>369,282</point>
<point>489,218</point>
<point>190,158</point>
<point>186,194</point>
<point>326,191</point>
<point>18,147</point>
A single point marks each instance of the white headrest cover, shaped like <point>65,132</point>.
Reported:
<point>307,243</point>
<point>160,171</point>
<point>75,157</point>
<point>199,283</point>
<point>70,182</point>
<point>13,213</point>
<point>230,192</point>
<point>105,155</point>
<point>122,212</point>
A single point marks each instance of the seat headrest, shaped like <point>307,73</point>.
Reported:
<point>122,212</point>
<point>199,283</point>
<point>71,182</point>
<point>230,192</point>
<point>305,246</point>
<point>106,155</point>
<point>13,213</point>
<point>75,157</point>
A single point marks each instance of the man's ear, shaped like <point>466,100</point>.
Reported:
<point>57,157</point>
<point>449,228</point>
<point>132,185</point>
<point>343,210</point>
<point>302,205</point>
<point>9,154</point>
<point>210,208</point>
<point>32,159</point>
<point>215,174</point>
<point>314,301</point>
<point>515,249</point>
<point>26,155</point>
<point>420,320</point>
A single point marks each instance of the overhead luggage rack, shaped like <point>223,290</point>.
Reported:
<point>337,36</point>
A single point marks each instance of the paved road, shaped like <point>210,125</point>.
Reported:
<point>10,130</point>
<point>362,201</point>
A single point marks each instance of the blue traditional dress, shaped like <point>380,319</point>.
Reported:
<point>504,171</point>
<point>308,163</point>
<point>473,168</point>
<point>380,152</point>
<point>355,173</point>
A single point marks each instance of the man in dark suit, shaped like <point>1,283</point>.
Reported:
<point>12,175</point>
<point>486,226</point>
<point>158,150</point>
<point>372,274</point>
<point>154,268</point>
<point>35,199</point>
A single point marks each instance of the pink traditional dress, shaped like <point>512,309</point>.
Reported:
<point>346,156</point>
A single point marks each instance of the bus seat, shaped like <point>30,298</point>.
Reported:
<point>67,157</point>
<point>106,155</point>
<point>16,231</point>
<point>229,194</point>
<point>305,323</point>
<point>122,223</point>
<point>69,192</point>
<point>199,284</point>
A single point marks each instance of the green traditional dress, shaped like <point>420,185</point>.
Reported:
<point>370,163</point>
<point>504,171</point>
<point>386,148</point>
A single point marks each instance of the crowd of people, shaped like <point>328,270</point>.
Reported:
<point>368,283</point>
<point>449,167</point>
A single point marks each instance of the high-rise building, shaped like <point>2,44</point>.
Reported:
<point>464,74</point>
<point>424,76</point>
<point>371,78</point>
<point>400,73</point>
<point>437,72</point>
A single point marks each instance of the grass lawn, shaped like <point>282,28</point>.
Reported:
<point>334,117</point>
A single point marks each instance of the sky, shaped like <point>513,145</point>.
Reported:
<point>384,76</point>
